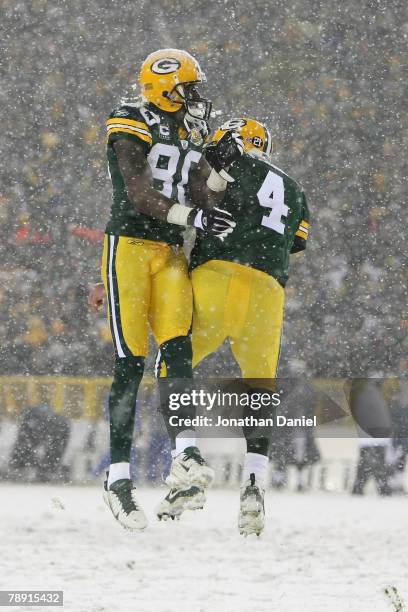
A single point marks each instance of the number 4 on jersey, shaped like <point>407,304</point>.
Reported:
<point>272,195</point>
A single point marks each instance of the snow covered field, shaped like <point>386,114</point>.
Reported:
<point>320,552</point>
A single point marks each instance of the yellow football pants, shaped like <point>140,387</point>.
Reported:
<point>146,282</point>
<point>242,304</point>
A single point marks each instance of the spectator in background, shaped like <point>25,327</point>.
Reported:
<point>372,463</point>
<point>399,447</point>
<point>295,446</point>
<point>41,440</point>
<point>373,422</point>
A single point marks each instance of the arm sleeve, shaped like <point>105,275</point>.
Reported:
<point>123,123</point>
<point>302,233</point>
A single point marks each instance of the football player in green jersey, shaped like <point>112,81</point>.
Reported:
<point>157,169</point>
<point>238,283</point>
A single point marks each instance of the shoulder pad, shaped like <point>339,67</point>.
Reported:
<point>126,110</point>
<point>127,121</point>
<point>257,154</point>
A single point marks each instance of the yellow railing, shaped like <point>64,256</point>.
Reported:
<point>86,397</point>
<point>76,397</point>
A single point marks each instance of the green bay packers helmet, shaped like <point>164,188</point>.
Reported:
<point>169,78</point>
<point>255,135</point>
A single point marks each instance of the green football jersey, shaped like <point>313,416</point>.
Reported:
<point>171,157</point>
<point>272,220</point>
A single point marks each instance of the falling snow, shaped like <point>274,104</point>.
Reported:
<point>329,80</point>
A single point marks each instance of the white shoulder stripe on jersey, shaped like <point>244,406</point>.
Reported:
<point>127,127</point>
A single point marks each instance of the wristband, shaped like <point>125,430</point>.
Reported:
<point>178,214</point>
<point>218,180</point>
<point>215,182</point>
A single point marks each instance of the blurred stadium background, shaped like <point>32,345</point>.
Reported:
<point>329,80</point>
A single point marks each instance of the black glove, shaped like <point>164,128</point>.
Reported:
<point>215,221</point>
<point>220,155</point>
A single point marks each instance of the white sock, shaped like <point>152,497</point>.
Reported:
<point>118,471</point>
<point>184,439</point>
<point>255,464</point>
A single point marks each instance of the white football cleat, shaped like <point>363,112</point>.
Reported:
<point>121,499</point>
<point>178,500</point>
<point>189,469</point>
<point>251,517</point>
<point>189,476</point>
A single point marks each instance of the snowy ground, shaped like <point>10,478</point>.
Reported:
<point>320,552</point>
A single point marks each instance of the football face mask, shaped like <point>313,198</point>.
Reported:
<point>195,105</point>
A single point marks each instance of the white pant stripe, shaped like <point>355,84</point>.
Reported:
<point>157,364</point>
<point>112,298</point>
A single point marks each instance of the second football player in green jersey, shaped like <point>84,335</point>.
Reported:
<point>238,285</point>
<point>271,215</point>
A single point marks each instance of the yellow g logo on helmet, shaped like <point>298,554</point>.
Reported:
<point>254,134</point>
<point>165,66</point>
<point>168,79</point>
